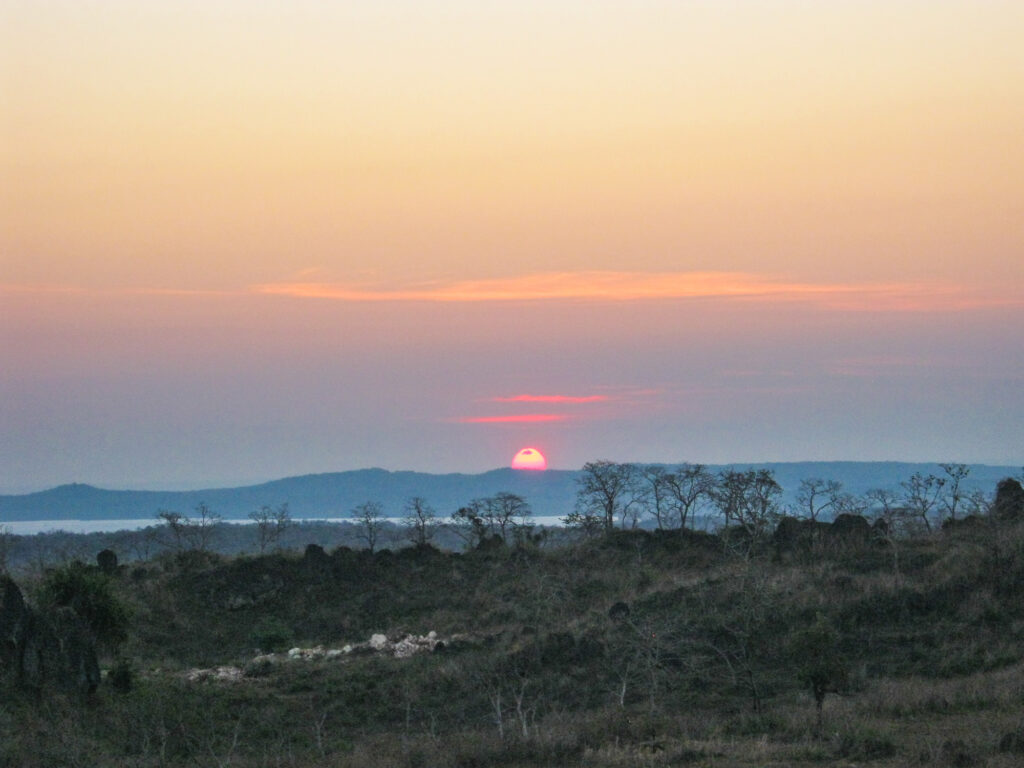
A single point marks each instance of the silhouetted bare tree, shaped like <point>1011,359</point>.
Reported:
<point>688,486</point>
<point>955,475</point>
<point>420,521</point>
<point>750,501</point>
<point>370,516</point>
<point>651,478</point>
<point>815,496</point>
<point>270,524</point>
<point>606,490</point>
<point>921,494</point>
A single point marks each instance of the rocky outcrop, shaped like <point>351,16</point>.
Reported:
<point>969,524</point>
<point>106,560</point>
<point>77,665</point>
<point>36,650</point>
<point>1009,501</point>
<point>15,618</point>
<point>793,535</point>
<point>852,530</point>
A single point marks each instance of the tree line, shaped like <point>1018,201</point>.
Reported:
<point>609,496</point>
<point>624,495</point>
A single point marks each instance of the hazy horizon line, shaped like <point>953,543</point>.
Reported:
<point>195,487</point>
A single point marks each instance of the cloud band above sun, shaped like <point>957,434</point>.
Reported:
<point>602,286</point>
<point>635,286</point>
<point>522,418</point>
<point>567,399</point>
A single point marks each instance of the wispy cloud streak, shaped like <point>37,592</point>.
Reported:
<point>524,418</point>
<point>595,286</point>
<point>568,399</point>
<point>638,286</point>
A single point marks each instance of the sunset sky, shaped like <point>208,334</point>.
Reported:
<point>243,240</point>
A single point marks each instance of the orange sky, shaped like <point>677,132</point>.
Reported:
<point>258,168</point>
<point>213,145</point>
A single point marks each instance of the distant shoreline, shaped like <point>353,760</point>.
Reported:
<point>33,527</point>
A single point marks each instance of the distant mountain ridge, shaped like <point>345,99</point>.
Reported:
<point>334,494</point>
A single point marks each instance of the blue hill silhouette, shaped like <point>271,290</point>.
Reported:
<point>334,494</point>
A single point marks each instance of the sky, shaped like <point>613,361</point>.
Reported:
<point>245,240</point>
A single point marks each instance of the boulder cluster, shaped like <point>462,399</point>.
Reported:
<point>407,646</point>
<point>222,674</point>
<point>403,648</point>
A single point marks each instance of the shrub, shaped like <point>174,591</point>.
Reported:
<point>821,665</point>
<point>90,594</point>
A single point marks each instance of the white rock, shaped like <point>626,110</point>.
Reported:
<point>406,648</point>
<point>379,642</point>
<point>228,674</point>
<point>294,653</point>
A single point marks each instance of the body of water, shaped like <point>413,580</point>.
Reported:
<point>32,527</point>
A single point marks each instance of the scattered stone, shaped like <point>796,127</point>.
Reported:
<point>412,645</point>
<point>260,665</point>
<point>218,674</point>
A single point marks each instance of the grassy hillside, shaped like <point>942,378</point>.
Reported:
<point>630,649</point>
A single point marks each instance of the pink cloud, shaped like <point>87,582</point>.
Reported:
<point>635,286</point>
<point>551,399</point>
<point>608,286</point>
<point>514,418</point>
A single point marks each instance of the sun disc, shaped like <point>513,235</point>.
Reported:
<point>529,458</point>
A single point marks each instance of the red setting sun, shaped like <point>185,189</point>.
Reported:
<point>529,458</point>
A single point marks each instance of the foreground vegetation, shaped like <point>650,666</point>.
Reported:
<point>620,648</point>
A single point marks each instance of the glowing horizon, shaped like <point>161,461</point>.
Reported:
<point>276,238</point>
